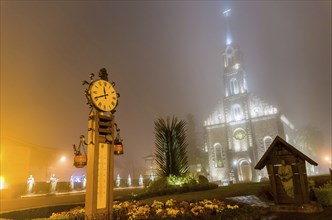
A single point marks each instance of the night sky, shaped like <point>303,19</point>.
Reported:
<point>165,58</point>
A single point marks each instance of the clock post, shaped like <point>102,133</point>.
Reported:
<point>102,100</point>
<point>100,167</point>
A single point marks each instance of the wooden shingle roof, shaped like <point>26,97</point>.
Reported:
<point>262,162</point>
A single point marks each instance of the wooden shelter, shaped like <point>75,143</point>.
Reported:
<point>287,172</point>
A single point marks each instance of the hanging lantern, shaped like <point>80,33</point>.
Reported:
<point>118,146</point>
<point>80,160</point>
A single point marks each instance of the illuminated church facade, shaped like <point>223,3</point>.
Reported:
<point>241,127</point>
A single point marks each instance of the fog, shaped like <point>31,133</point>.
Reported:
<point>165,58</point>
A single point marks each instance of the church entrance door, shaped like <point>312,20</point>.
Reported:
<point>245,173</point>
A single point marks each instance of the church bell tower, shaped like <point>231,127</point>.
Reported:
<point>236,109</point>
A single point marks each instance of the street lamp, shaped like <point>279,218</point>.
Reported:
<point>63,158</point>
<point>327,159</point>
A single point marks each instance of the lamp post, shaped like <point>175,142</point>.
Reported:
<point>99,158</point>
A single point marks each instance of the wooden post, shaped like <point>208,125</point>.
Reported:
<point>270,171</point>
<point>303,181</point>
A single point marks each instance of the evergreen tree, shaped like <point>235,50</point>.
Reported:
<point>171,147</point>
<point>193,150</point>
<point>196,154</point>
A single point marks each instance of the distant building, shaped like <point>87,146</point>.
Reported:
<point>242,126</point>
<point>20,159</point>
<point>150,167</point>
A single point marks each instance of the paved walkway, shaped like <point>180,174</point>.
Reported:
<point>250,200</point>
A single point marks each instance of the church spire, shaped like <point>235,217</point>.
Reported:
<point>227,14</point>
<point>234,75</point>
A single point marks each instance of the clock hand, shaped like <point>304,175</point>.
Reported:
<point>101,96</point>
<point>105,92</point>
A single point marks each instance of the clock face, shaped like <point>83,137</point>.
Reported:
<point>103,95</point>
<point>239,134</point>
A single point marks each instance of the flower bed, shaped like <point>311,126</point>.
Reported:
<point>171,209</point>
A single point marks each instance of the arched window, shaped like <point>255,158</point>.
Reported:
<point>245,84</point>
<point>225,61</point>
<point>237,113</point>
<point>230,61</point>
<point>234,86</point>
<point>267,142</point>
<point>219,154</point>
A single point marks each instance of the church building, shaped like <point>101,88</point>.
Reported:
<point>242,126</point>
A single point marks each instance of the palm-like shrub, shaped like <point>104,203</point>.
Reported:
<point>171,152</point>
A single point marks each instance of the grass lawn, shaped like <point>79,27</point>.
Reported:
<point>220,193</point>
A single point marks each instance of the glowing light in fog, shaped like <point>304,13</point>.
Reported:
<point>63,159</point>
<point>2,183</point>
<point>228,40</point>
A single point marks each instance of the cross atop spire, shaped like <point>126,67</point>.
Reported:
<point>227,13</point>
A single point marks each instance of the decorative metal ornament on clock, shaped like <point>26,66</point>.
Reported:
<point>101,94</point>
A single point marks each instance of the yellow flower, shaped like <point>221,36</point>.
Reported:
<point>210,206</point>
<point>116,207</point>
<point>197,210</point>
<point>125,204</point>
<point>205,201</point>
<point>159,211</point>
<point>232,207</point>
<point>170,202</point>
<point>157,205</point>
<point>172,212</point>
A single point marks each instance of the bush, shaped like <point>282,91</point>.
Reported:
<point>324,194</point>
<point>182,180</point>
<point>172,185</point>
<point>202,179</point>
<point>319,180</point>
<point>62,187</point>
<point>158,185</point>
